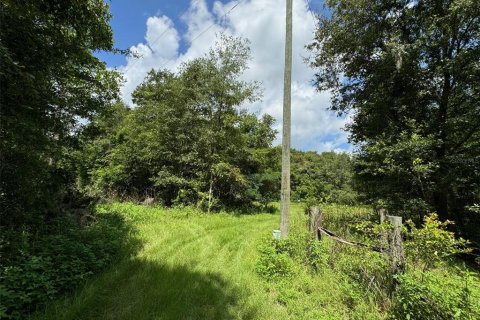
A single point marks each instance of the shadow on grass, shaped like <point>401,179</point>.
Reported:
<point>59,258</point>
<point>271,208</point>
<point>148,290</point>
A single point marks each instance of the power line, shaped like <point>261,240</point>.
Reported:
<point>315,19</point>
<point>155,41</point>
<point>206,29</point>
<point>222,18</point>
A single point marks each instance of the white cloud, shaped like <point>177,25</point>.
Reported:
<point>263,23</point>
<point>167,45</point>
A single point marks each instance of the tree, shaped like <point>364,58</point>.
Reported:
<point>408,72</point>
<point>187,140</point>
<point>51,83</point>
<point>324,177</point>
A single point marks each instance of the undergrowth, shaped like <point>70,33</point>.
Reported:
<point>329,280</point>
<point>59,261</point>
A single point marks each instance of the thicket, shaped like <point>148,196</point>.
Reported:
<point>58,260</point>
<point>66,141</point>
<point>323,178</point>
<point>51,84</point>
<point>358,282</point>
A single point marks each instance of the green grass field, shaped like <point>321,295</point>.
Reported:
<point>189,265</point>
<point>198,266</point>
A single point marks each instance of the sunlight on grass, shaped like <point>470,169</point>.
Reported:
<point>191,266</point>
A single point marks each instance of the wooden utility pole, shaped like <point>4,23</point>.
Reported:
<point>287,114</point>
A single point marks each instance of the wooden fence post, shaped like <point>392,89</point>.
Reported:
<point>382,212</point>
<point>383,235</point>
<point>396,253</point>
<point>316,220</point>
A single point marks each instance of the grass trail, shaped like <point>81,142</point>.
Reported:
<point>189,267</point>
<point>198,266</point>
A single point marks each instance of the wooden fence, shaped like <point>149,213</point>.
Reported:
<point>391,241</point>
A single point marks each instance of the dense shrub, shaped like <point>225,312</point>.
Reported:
<point>60,261</point>
<point>325,177</point>
<point>432,288</point>
<point>429,296</point>
<point>317,255</point>
<point>432,244</point>
<point>277,257</point>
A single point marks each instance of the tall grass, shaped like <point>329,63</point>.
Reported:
<point>193,265</point>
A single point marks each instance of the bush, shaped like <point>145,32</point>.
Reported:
<point>277,257</point>
<point>429,296</point>
<point>317,254</point>
<point>60,261</point>
<point>433,243</point>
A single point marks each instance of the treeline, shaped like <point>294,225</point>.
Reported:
<point>408,73</point>
<point>188,142</point>
<point>185,141</point>
<point>50,86</point>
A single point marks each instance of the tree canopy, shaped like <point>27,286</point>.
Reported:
<point>408,72</point>
<point>50,81</point>
<point>187,140</point>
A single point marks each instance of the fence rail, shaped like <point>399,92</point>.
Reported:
<point>352,243</point>
<point>392,241</point>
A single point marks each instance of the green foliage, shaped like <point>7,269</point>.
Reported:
<point>317,255</point>
<point>344,219</point>
<point>51,84</point>
<point>408,72</point>
<point>59,261</point>
<point>224,266</point>
<point>145,152</point>
<point>430,296</point>
<point>432,243</point>
<point>321,280</point>
<point>44,100</point>
<point>273,264</point>
<point>277,257</point>
<point>187,141</point>
<point>325,177</point>
<point>432,288</point>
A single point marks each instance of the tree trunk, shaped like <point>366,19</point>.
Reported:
<point>441,192</point>
<point>210,195</point>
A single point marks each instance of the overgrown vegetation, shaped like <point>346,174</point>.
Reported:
<point>51,83</point>
<point>358,281</point>
<point>188,142</point>
<point>58,260</point>
<point>67,141</point>
<point>408,72</point>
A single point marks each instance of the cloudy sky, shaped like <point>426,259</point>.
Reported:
<point>167,33</point>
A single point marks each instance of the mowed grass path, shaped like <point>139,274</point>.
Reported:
<point>189,266</point>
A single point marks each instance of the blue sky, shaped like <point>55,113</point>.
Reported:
<point>128,21</point>
<point>139,26</point>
